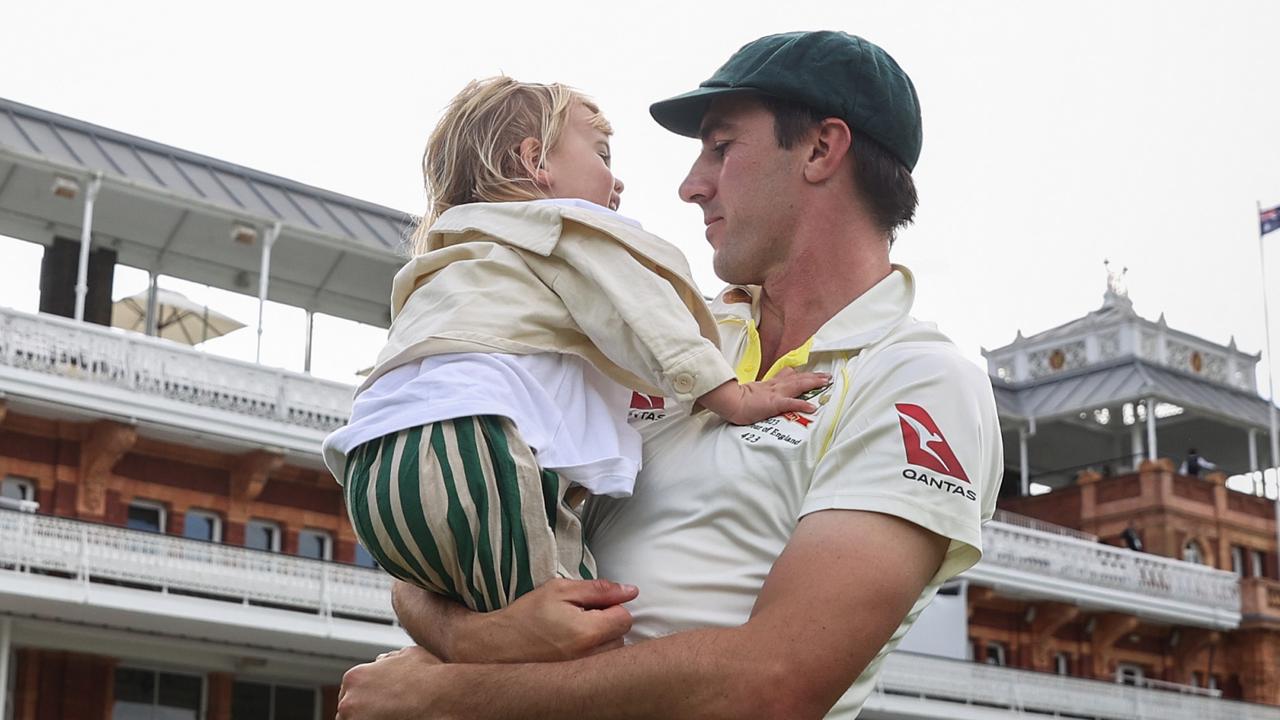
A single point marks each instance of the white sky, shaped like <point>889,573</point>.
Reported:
<point>1056,134</point>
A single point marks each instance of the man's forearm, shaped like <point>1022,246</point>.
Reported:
<point>701,674</point>
<point>431,620</point>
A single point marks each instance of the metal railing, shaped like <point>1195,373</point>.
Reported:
<point>1054,556</point>
<point>136,363</point>
<point>1023,691</point>
<point>91,552</point>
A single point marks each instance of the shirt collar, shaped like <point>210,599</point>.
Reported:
<point>861,323</point>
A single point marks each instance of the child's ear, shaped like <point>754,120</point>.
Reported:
<point>530,149</point>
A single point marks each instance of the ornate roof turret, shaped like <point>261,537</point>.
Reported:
<point>1115,332</point>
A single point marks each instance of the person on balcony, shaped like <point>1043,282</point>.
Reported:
<point>1193,465</point>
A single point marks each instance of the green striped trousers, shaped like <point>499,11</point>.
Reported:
<point>461,508</point>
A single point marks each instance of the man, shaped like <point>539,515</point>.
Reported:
<point>777,564</point>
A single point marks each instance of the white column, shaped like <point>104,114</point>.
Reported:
<point>264,274</point>
<point>1151,428</point>
<point>311,326</point>
<point>153,291</point>
<point>1135,441</point>
<point>6,633</point>
<point>86,229</point>
<point>1253,461</point>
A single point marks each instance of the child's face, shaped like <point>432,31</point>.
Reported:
<point>578,165</point>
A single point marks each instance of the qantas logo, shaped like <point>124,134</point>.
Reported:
<point>640,401</point>
<point>924,443</point>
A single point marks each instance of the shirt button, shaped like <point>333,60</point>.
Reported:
<point>684,382</point>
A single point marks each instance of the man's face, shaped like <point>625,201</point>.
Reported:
<point>747,188</point>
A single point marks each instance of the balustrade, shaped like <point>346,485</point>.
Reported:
<point>88,552</point>
<point>127,361</point>
<point>1020,691</point>
<point>1060,557</point>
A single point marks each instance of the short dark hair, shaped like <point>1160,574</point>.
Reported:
<point>884,182</point>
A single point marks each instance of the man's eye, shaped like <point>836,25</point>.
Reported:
<point>720,147</point>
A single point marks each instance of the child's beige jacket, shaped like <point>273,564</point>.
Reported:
<point>524,278</point>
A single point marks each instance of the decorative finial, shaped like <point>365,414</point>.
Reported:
<point>1115,281</point>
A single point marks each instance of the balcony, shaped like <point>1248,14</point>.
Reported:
<point>1260,600</point>
<point>912,687</point>
<point>104,575</point>
<point>49,361</point>
<point>1026,558</point>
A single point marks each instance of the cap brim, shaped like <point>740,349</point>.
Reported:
<point>682,114</point>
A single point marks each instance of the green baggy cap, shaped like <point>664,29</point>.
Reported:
<point>838,74</point>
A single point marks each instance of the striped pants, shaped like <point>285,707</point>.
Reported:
<point>461,508</point>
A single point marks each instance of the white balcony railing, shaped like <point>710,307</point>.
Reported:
<point>119,360</point>
<point>88,552</point>
<point>1038,563</point>
<point>920,686</point>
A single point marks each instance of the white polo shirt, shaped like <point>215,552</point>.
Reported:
<point>907,428</point>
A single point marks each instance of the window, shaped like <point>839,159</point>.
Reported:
<point>1191,552</point>
<point>262,535</point>
<point>315,544</point>
<point>1129,674</point>
<point>16,488</point>
<point>364,558</point>
<point>996,654</point>
<point>1237,560</point>
<point>146,516</point>
<point>146,694</point>
<point>261,701</point>
<point>1257,563</point>
<point>202,525</point>
<point>1062,663</point>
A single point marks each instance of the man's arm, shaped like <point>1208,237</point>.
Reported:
<point>831,601</point>
<point>561,620</point>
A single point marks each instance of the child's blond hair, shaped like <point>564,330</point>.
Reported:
<point>473,155</point>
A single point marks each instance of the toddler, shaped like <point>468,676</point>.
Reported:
<point>530,312</point>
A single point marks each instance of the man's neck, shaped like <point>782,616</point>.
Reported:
<point>819,280</point>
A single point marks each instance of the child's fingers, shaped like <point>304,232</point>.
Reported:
<point>796,405</point>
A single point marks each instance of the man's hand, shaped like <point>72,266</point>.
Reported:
<point>560,620</point>
<point>746,403</point>
<point>398,686</point>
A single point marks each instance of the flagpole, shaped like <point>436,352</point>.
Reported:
<point>1271,387</point>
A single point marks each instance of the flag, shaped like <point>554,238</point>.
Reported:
<point>1270,219</point>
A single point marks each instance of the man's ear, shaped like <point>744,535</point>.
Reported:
<point>530,151</point>
<point>829,146</point>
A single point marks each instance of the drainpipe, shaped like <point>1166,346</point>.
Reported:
<point>86,228</point>
<point>263,280</point>
<point>1024,432</point>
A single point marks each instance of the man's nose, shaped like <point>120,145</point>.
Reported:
<point>697,186</point>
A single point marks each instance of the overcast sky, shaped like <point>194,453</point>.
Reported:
<point>1056,134</point>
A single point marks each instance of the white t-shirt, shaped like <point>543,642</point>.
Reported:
<point>571,414</point>
<point>908,428</point>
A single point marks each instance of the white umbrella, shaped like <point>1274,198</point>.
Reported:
<point>177,317</point>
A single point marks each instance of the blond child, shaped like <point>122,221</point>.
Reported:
<point>528,315</point>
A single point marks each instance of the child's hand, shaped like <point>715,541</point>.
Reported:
<point>743,404</point>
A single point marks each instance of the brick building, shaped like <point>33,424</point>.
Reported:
<point>171,545</point>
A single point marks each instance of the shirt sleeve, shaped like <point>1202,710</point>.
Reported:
<point>918,439</point>
<point>635,317</point>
